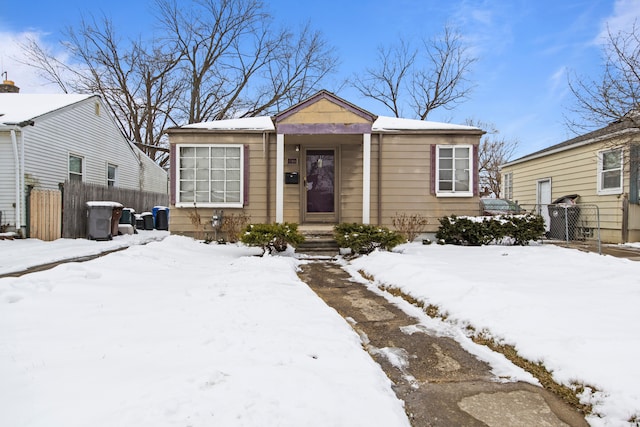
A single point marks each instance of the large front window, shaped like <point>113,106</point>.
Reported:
<point>610,171</point>
<point>454,170</point>
<point>210,175</point>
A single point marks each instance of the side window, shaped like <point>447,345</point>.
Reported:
<point>454,171</point>
<point>508,186</point>
<point>610,171</point>
<point>76,167</point>
<point>112,175</point>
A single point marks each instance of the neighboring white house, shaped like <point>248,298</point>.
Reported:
<point>46,139</point>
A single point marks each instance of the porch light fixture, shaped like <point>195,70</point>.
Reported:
<point>297,148</point>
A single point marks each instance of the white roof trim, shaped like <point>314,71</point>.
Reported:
<point>249,123</point>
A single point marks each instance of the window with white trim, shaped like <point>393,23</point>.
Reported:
<point>76,167</point>
<point>210,175</point>
<point>610,171</point>
<point>508,186</point>
<point>454,170</point>
<point>112,175</point>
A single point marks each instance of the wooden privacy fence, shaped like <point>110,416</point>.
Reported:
<point>77,194</point>
<point>63,213</point>
<point>45,214</point>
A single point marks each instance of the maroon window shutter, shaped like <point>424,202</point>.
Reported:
<point>476,171</point>
<point>246,175</point>
<point>432,172</point>
<point>173,165</point>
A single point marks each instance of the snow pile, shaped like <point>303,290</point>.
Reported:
<point>182,333</point>
<point>575,312</point>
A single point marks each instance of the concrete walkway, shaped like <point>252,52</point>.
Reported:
<point>440,383</point>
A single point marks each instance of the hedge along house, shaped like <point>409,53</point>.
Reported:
<point>322,161</point>
<point>602,167</point>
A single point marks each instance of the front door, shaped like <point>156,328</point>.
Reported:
<point>543,201</point>
<point>320,198</point>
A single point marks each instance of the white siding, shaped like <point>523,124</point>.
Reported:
<point>83,130</point>
<point>77,130</point>
<point>7,179</point>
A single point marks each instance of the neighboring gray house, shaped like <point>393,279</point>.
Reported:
<point>46,139</point>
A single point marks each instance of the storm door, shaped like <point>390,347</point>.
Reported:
<point>320,183</point>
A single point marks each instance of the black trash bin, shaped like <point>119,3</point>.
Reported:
<point>99,219</point>
<point>563,218</point>
<point>147,220</point>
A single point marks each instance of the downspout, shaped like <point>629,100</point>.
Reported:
<point>379,179</point>
<point>17,163</point>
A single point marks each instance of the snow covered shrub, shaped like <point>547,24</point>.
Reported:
<point>364,239</point>
<point>476,231</point>
<point>272,237</point>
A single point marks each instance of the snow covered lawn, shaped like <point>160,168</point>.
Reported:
<point>578,313</point>
<point>180,333</point>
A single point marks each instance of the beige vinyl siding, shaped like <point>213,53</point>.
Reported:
<point>180,221</point>
<point>406,180</point>
<point>323,111</point>
<point>571,171</point>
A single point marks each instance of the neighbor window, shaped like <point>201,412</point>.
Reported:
<point>210,175</point>
<point>112,174</point>
<point>508,186</point>
<point>75,167</point>
<point>610,171</point>
<point>454,171</point>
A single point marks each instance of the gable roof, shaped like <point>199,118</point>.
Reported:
<point>263,123</point>
<point>17,108</point>
<point>324,94</point>
<point>619,127</point>
<point>383,123</point>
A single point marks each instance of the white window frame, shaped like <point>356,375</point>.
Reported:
<point>70,172</point>
<point>453,192</point>
<point>508,186</point>
<point>115,175</point>
<point>179,177</point>
<point>613,190</point>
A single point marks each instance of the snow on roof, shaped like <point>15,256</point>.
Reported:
<point>248,123</point>
<point>383,123</point>
<point>19,107</point>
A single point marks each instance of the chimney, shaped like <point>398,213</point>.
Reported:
<point>8,86</point>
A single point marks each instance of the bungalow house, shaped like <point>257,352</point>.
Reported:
<point>46,139</point>
<point>601,167</point>
<point>322,161</point>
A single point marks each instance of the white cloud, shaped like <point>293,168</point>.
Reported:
<point>625,14</point>
<point>12,61</point>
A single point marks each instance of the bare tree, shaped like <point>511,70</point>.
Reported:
<point>615,94</point>
<point>386,83</point>
<point>422,79</point>
<point>216,59</point>
<point>493,152</point>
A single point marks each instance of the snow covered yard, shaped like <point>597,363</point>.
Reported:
<point>578,313</point>
<point>180,333</point>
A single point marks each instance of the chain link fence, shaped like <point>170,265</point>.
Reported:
<point>570,222</point>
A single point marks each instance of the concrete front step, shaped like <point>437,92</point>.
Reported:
<point>318,243</point>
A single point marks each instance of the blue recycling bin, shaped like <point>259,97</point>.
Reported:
<point>161,217</point>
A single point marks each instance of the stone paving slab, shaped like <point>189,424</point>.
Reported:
<point>440,383</point>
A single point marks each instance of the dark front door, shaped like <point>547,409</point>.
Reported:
<point>320,185</point>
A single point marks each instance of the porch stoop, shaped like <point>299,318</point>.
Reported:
<point>319,241</point>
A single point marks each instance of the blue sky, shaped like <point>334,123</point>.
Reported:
<point>525,48</point>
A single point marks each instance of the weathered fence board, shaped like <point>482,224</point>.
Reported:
<point>77,194</point>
